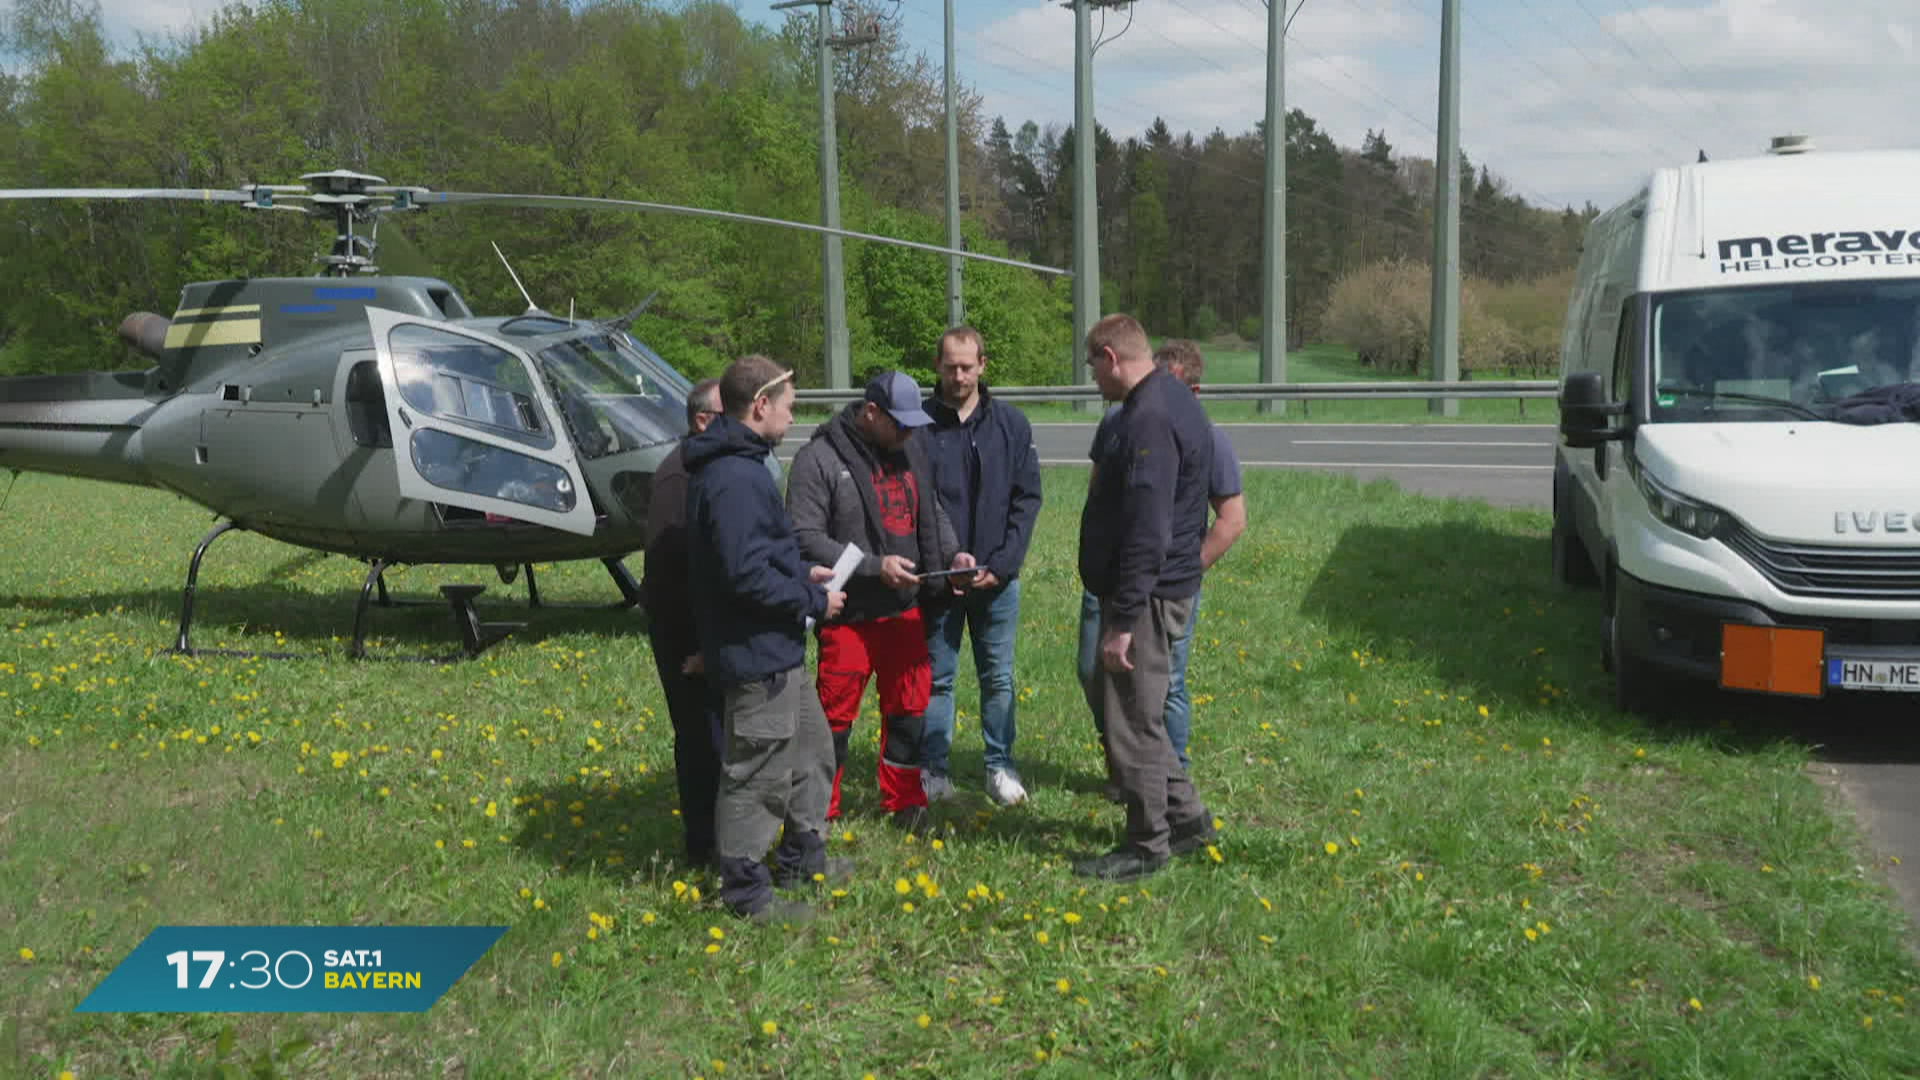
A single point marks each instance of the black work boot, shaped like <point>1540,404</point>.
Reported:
<point>1192,835</point>
<point>1121,864</point>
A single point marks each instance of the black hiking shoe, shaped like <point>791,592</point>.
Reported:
<point>1193,835</point>
<point>1121,864</point>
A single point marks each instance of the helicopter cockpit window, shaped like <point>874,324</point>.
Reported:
<point>610,395</point>
<point>452,377</point>
<point>459,464</point>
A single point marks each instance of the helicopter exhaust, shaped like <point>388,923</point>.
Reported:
<point>146,332</point>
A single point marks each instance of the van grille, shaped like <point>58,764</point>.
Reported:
<point>1839,572</point>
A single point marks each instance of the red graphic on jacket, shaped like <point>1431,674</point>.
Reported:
<point>898,493</point>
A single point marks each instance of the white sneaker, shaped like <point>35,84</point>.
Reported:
<point>936,786</point>
<point>1005,788</point>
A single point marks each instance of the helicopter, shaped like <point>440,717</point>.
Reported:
<point>378,416</point>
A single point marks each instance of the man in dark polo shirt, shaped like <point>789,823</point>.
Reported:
<point>692,704</point>
<point>1141,535</point>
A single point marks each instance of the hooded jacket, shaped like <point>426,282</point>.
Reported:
<point>831,496</point>
<point>995,446</point>
<point>743,565</point>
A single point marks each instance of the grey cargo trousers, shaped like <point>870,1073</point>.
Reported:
<point>776,774</point>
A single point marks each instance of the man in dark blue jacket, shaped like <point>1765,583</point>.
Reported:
<point>756,595</point>
<point>1141,536</point>
<point>988,479</point>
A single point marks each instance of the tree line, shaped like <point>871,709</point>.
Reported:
<point>666,102</point>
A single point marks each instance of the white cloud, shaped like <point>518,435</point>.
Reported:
<point>127,21</point>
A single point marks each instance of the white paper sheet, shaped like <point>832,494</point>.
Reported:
<point>843,568</point>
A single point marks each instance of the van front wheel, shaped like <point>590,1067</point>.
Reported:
<point>1637,685</point>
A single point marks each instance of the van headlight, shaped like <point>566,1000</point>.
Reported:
<point>1690,517</point>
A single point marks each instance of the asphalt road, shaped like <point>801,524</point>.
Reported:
<point>1866,747</point>
<point>1505,464</point>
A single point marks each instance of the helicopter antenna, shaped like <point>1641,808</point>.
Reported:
<point>531,306</point>
<point>8,494</point>
<point>625,322</point>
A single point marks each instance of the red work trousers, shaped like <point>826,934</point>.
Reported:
<point>895,650</point>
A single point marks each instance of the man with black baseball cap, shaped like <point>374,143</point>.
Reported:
<point>863,480</point>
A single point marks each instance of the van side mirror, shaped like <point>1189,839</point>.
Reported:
<point>1585,413</point>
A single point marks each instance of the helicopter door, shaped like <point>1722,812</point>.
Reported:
<point>472,425</point>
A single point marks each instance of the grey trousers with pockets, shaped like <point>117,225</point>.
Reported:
<point>1140,757</point>
<point>776,774</point>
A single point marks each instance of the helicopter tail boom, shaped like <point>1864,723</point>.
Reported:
<point>85,425</point>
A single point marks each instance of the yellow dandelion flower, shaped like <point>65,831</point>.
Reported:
<point>938,845</point>
<point>647,919</point>
<point>440,845</point>
<point>679,888</point>
<point>539,904</point>
<point>1214,854</point>
<point>1039,1054</point>
<point>714,948</point>
<point>1867,1022</point>
<point>1483,710</point>
<point>493,809</point>
<point>768,1027</point>
<point>1694,1004</point>
<point>907,907</point>
<point>1071,918</point>
<point>26,954</point>
<point>1532,934</point>
<point>1266,903</point>
<point>902,886</point>
<point>1331,848</point>
<point>996,1000</point>
<point>1041,937</point>
<point>558,959</point>
<point>1064,985</point>
<point>923,1020</point>
<point>1813,982</point>
<point>716,933</point>
<point>593,933</point>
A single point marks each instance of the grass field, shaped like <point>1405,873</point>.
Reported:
<point>1443,855</point>
<point>1328,363</point>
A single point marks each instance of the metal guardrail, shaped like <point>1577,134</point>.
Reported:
<point>1519,389</point>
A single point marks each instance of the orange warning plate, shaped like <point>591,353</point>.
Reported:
<point>1772,659</point>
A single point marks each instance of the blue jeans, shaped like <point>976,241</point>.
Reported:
<point>1179,712</point>
<point>990,616</point>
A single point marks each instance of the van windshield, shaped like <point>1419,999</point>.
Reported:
<point>1777,352</point>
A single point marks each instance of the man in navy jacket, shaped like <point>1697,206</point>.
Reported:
<point>988,478</point>
<point>756,595</point>
<point>1141,536</point>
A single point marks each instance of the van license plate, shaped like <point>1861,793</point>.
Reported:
<point>1902,675</point>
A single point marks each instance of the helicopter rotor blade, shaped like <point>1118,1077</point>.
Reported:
<point>219,195</point>
<point>581,202</point>
<point>397,253</point>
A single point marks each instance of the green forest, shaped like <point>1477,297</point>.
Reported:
<point>680,102</point>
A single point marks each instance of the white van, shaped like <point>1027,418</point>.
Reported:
<point>1733,325</point>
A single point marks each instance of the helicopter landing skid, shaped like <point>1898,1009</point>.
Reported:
<point>475,635</point>
<point>630,595</point>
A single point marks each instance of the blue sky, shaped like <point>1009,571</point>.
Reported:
<point>1568,100</point>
